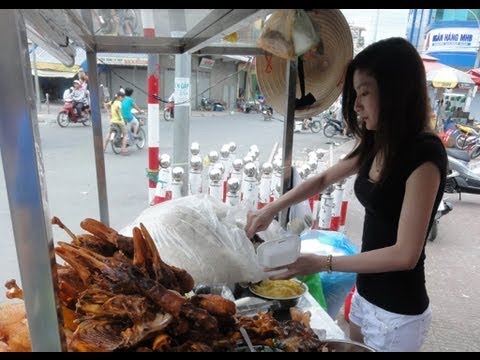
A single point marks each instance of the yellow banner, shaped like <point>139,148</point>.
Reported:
<point>57,67</point>
<point>444,84</point>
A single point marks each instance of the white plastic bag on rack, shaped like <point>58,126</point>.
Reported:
<point>205,237</point>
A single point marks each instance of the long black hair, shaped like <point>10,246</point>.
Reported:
<point>402,92</point>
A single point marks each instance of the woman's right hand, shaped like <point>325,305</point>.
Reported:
<point>258,220</point>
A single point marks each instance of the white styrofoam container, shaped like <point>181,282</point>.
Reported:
<point>279,252</point>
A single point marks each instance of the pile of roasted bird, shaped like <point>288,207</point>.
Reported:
<point>117,294</point>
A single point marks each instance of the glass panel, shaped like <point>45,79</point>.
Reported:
<point>457,15</point>
<point>128,22</point>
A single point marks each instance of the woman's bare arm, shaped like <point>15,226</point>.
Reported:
<point>420,192</point>
<point>260,219</point>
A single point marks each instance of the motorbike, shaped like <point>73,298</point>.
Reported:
<point>475,149</point>
<point>333,127</point>
<point>168,111</point>
<point>443,209</point>
<point>463,178</point>
<point>68,115</point>
<point>211,105</point>
<point>313,124</point>
<point>465,136</point>
<point>267,113</point>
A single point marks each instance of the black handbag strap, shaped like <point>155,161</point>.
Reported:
<point>301,76</point>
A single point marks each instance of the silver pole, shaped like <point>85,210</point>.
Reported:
<point>35,71</point>
<point>97,137</point>
<point>26,188</point>
<point>183,73</point>
<point>288,127</point>
<point>47,101</point>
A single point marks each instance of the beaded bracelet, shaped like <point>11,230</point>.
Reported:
<point>329,263</point>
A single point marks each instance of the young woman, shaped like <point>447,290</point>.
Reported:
<point>401,170</point>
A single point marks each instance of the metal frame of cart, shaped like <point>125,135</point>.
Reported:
<point>56,29</point>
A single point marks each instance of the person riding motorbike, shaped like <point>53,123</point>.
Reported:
<point>67,94</point>
<point>79,98</point>
<point>128,104</point>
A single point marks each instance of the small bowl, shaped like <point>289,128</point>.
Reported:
<point>285,302</point>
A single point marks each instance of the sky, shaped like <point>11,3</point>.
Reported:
<point>391,22</point>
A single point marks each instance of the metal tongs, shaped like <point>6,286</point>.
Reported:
<point>247,339</point>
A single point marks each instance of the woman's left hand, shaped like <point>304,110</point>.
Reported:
<point>306,264</point>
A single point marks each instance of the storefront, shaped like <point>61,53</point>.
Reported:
<point>450,35</point>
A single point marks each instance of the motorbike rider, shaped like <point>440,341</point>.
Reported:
<point>84,85</point>
<point>306,123</point>
<point>117,119</point>
<point>79,98</point>
<point>127,104</point>
<point>67,94</point>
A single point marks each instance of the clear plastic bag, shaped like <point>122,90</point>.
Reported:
<point>276,36</point>
<point>206,238</point>
<point>289,33</point>
<point>304,36</point>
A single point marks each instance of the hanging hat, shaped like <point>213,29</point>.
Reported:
<point>323,72</point>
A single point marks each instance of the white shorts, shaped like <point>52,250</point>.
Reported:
<point>134,121</point>
<point>387,331</point>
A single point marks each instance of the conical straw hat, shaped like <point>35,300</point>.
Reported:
<point>324,74</point>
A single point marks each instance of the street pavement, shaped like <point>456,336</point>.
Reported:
<point>452,259</point>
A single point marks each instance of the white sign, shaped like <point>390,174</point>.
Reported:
<point>182,91</point>
<point>452,39</point>
<point>206,63</point>
<point>124,61</point>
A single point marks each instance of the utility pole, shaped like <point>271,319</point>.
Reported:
<point>153,109</point>
<point>182,107</point>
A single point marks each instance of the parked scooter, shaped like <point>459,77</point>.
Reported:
<point>443,209</point>
<point>463,179</point>
<point>211,105</point>
<point>68,115</point>
<point>168,112</point>
<point>267,112</point>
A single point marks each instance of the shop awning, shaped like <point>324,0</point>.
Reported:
<point>475,75</point>
<point>54,74</point>
<point>444,76</point>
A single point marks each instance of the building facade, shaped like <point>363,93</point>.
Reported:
<point>210,77</point>
<point>450,35</point>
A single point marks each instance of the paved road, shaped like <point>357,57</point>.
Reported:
<point>452,259</point>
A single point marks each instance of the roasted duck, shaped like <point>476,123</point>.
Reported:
<point>118,294</point>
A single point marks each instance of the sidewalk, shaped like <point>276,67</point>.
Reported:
<point>48,113</point>
<point>196,113</point>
